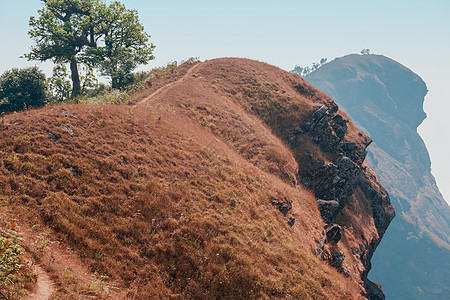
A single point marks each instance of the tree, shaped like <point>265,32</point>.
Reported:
<point>365,51</point>
<point>21,88</point>
<point>58,85</point>
<point>315,66</point>
<point>306,70</point>
<point>298,70</point>
<point>109,37</point>
<point>62,30</point>
<point>123,43</point>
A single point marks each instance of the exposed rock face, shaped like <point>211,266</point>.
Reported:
<point>284,207</point>
<point>380,203</point>
<point>334,234</point>
<point>334,182</point>
<point>385,98</point>
<point>326,128</point>
<point>327,208</point>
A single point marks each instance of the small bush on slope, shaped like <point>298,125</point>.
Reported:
<point>15,276</point>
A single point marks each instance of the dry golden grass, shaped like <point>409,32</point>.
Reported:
<point>171,198</point>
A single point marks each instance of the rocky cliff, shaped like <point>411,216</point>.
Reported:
<point>386,99</point>
<point>353,204</point>
<point>231,179</point>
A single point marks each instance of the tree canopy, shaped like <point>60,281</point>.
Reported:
<point>21,88</point>
<point>123,44</point>
<point>303,71</point>
<point>108,37</point>
<point>61,31</point>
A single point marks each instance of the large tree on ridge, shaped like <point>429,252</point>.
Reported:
<point>62,30</point>
<point>109,37</point>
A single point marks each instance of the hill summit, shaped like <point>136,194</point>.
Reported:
<point>230,179</point>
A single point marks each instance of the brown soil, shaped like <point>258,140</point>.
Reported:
<point>44,285</point>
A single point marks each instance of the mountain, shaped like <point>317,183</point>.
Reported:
<point>227,179</point>
<point>386,99</point>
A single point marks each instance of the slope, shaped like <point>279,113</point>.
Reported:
<point>193,191</point>
<point>386,98</point>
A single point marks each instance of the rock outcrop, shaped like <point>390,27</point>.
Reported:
<point>334,181</point>
<point>386,99</point>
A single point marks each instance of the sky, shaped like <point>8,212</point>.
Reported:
<point>288,33</point>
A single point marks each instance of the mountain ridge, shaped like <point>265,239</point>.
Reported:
<point>194,190</point>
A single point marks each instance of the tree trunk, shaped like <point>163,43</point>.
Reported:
<point>76,85</point>
<point>114,82</point>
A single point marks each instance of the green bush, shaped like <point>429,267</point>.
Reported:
<point>11,279</point>
<point>22,88</point>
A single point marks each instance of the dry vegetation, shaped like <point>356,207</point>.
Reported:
<point>171,197</point>
<point>16,278</point>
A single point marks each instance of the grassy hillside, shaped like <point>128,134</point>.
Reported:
<point>171,196</point>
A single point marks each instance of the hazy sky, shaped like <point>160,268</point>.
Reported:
<point>286,33</point>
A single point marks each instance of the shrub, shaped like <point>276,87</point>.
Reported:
<point>13,273</point>
<point>20,88</point>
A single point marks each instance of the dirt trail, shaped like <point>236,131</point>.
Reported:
<point>167,86</point>
<point>44,285</point>
<point>65,264</point>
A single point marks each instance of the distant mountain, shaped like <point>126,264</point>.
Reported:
<point>385,99</point>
